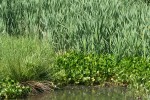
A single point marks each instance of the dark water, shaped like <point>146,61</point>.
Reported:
<point>87,93</point>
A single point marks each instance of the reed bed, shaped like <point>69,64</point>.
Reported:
<point>119,27</point>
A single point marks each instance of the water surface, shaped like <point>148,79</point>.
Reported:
<point>87,93</point>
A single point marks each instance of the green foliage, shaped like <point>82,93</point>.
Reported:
<point>147,1</point>
<point>10,89</point>
<point>89,69</point>
<point>25,58</point>
<point>135,71</point>
<point>115,31</point>
<point>119,27</point>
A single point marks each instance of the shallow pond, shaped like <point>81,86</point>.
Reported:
<point>87,93</point>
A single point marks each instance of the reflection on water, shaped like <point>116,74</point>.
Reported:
<point>86,93</point>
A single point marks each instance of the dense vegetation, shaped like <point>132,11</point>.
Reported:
<point>105,70</point>
<point>119,27</point>
<point>12,89</point>
<point>109,38</point>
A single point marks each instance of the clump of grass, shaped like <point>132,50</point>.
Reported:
<point>25,58</point>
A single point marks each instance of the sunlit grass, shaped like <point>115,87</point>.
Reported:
<point>25,58</point>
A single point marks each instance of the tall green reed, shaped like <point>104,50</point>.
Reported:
<point>119,27</point>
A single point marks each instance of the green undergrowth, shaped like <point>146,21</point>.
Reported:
<point>23,59</point>
<point>118,29</point>
<point>92,69</point>
<point>10,89</point>
<point>26,59</point>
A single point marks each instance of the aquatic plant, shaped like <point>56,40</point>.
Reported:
<point>104,69</point>
<point>10,89</point>
<point>86,68</point>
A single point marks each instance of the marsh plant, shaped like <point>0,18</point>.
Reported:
<point>110,40</point>
<point>103,69</point>
<point>10,89</point>
<point>119,27</point>
<point>25,58</point>
<point>86,69</point>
